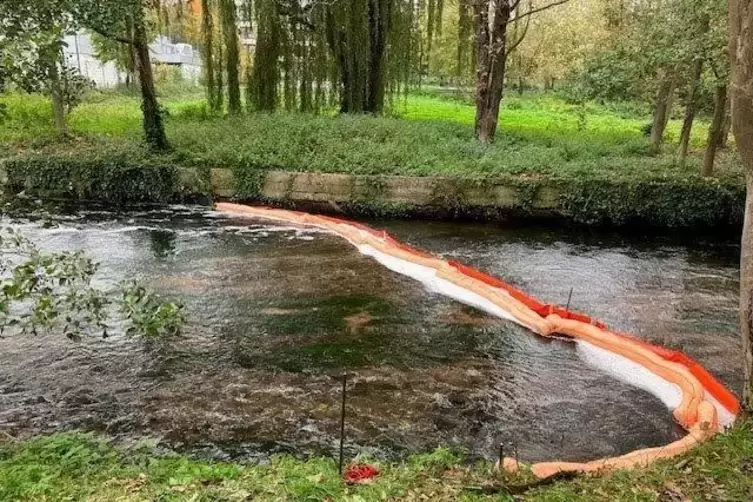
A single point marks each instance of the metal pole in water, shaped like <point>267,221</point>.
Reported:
<point>342,424</point>
<point>569,297</point>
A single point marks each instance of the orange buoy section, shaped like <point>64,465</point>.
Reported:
<point>700,403</point>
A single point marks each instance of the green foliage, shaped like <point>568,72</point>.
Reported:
<point>148,314</point>
<point>652,40</point>
<point>542,140</point>
<point>114,176</point>
<point>78,466</point>
<point>689,203</point>
<point>41,290</point>
<point>46,291</point>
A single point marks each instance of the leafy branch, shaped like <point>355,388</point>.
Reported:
<point>45,291</point>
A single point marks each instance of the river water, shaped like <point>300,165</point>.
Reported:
<point>277,314</point>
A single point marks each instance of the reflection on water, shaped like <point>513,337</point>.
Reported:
<point>277,314</point>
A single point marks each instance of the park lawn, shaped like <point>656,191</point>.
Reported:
<point>425,135</point>
<point>83,467</point>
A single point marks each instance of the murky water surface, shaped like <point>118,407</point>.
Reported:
<point>277,314</point>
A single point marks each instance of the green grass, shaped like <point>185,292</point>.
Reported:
<point>538,136</point>
<point>88,468</point>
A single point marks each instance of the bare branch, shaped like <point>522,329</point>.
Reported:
<point>515,44</point>
<point>538,9</point>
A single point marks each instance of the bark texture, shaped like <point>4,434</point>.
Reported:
<point>662,108</point>
<point>741,90</point>
<point>715,130</point>
<point>154,129</point>
<point>492,19</point>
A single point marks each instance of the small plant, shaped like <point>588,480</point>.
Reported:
<point>45,291</point>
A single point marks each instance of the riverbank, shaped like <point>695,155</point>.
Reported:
<point>85,467</point>
<point>587,164</point>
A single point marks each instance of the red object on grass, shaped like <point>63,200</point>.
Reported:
<point>360,473</point>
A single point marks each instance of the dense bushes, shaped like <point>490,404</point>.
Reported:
<point>111,176</point>
<point>691,203</point>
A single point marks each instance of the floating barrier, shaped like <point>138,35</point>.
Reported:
<point>699,402</point>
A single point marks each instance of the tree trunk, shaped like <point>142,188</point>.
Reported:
<point>491,60</point>
<point>207,30</point>
<point>154,129</point>
<point>379,18</point>
<point>662,108</point>
<point>715,130</point>
<point>727,125</point>
<point>464,31</point>
<point>687,124</point>
<point>131,69</point>
<point>741,52</point>
<point>232,56</point>
<point>220,84</point>
<point>58,105</point>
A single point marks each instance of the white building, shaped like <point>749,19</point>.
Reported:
<point>80,54</point>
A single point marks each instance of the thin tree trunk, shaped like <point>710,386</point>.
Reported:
<point>746,291</point>
<point>727,125</point>
<point>154,129</point>
<point>741,52</point>
<point>715,130</point>
<point>220,84</point>
<point>661,110</point>
<point>58,106</point>
<point>687,125</point>
<point>463,35</point>
<point>131,50</point>
<point>207,30</point>
<point>232,56</point>
<point>491,57</point>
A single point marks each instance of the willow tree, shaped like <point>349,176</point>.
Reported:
<point>464,58</point>
<point>358,35</point>
<point>265,75</point>
<point>207,30</point>
<point>741,52</point>
<point>360,51</point>
<point>232,55</point>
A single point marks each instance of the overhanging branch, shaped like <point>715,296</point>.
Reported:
<point>515,44</point>
<point>538,9</point>
<point>117,38</point>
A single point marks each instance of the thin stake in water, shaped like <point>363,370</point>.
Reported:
<point>569,297</point>
<point>342,425</point>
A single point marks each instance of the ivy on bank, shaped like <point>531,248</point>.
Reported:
<point>116,178</point>
<point>122,177</point>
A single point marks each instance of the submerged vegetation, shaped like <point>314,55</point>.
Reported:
<point>85,467</point>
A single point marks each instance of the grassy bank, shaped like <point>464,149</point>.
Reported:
<point>82,467</point>
<point>598,155</point>
<point>538,135</point>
